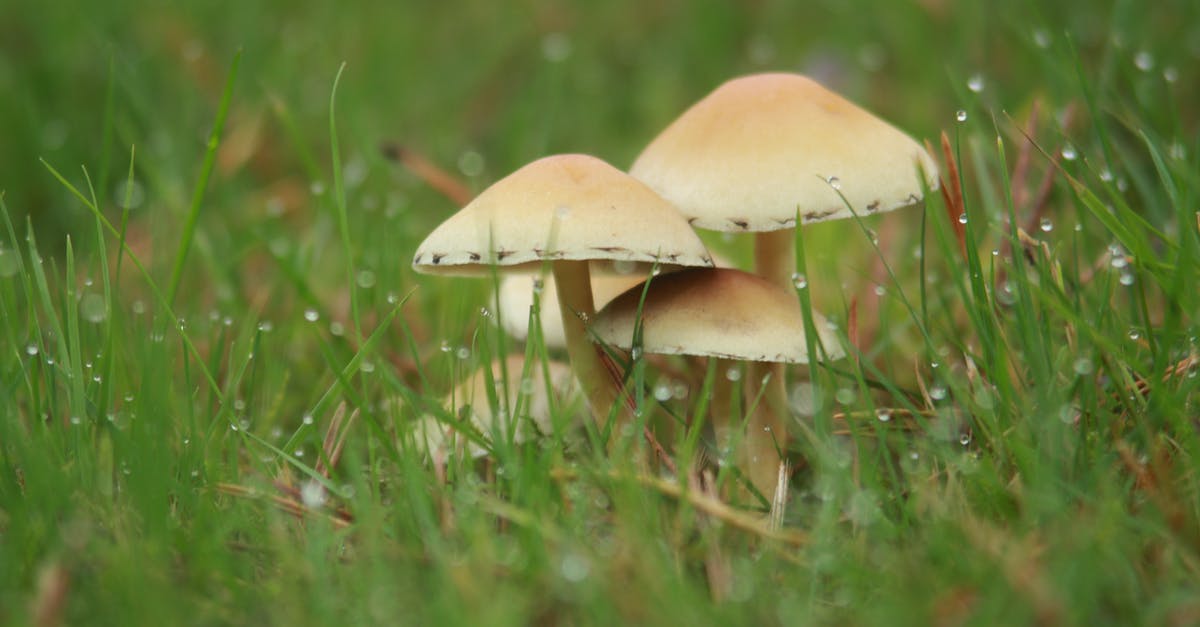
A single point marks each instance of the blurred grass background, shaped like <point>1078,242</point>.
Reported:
<point>128,517</point>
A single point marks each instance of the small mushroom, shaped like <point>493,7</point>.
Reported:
<point>723,313</point>
<point>436,439</point>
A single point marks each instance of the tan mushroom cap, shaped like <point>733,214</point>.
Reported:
<point>561,207</point>
<point>434,437</point>
<point>715,313</point>
<point>761,147</point>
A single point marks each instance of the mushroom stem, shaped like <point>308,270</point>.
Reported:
<point>766,429</point>
<point>573,279</point>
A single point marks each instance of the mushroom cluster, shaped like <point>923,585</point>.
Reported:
<point>763,153</point>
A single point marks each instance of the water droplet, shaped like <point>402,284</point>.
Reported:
<point>463,352</point>
<point>635,353</point>
<point>445,346</point>
<point>470,163</point>
<point>311,315</point>
<point>365,279</point>
<point>1046,225</point>
<point>880,290</point>
<point>31,350</point>
<point>975,83</point>
<point>1106,175</point>
<point>233,427</point>
<point>312,494</point>
<point>734,373</point>
<point>138,307</point>
<point>1068,152</point>
<point>484,312</point>
<point>265,326</point>
<point>964,439</point>
<point>1126,279</point>
<point>239,405</point>
<point>556,47</point>
<point>1143,60</point>
<point>369,366</point>
<point>1041,38</point>
<point>662,392</point>
<point>337,329</point>
<point>1177,150</point>
<point>1134,334</point>
<point>1119,261</point>
<point>129,194</point>
<point>1083,366</point>
<point>307,419</point>
<point>845,396</point>
<point>799,280</point>
<point>937,392</point>
<point>1170,74</point>
<point>884,415</point>
<point>962,218</point>
<point>574,567</point>
<point>317,188</point>
<point>995,252</point>
<point>961,116</point>
<point>834,182</point>
<point>75,420</point>
<point>392,298</point>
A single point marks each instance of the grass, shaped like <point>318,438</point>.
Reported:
<point>182,318</point>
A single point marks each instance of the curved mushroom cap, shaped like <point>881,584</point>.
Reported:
<point>761,147</point>
<point>434,437</point>
<point>716,313</point>
<point>561,207</point>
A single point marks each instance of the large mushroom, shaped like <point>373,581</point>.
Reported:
<point>565,210</point>
<point>763,149</point>
<point>718,313</point>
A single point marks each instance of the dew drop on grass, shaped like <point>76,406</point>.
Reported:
<point>1134,334</point>
<point>1119,261</point>
<point>635,353</point>
<point>1106,175</point>
<point>307,419</point>
<point>365,279</point>
<point>662,392</point>
<point>265,326</point>
<point>556,47</point>
<point>1170,74</point>
<point>845,396</point>
<point>962,218</point>
<point>937,392</point>
<point>1069,153</point>
<point>312,494</point>
<point>138,307</point>
<point>1046,225</point>
<point>1083,366</point>
<point>311,315</point>
<point>462,353</point>
<point>76,420</point>
<point>834,182</point>
<point>961,116</point>
<point>964,439</point>
<point>975,83</point>
<point>1041,38</point>
<point>733,374</point>
<point>884,415</point>
<point>470,163</point>
<point>574,567</point>
<point>880,290</point>
<point>31,350</point>
<point>369,366</point>
<point>1126,279</point>
<point>799,280</point>
<point>1143,60</point>
<point>337,329</point>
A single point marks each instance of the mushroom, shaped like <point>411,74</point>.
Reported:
<point>533,396</point>
<point>565,210</point>
<point>723,313</point>
<point>764,148</point>
<point>515,298</point>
